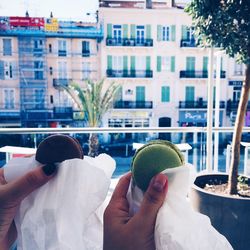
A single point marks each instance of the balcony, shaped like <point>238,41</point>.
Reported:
<point>57,83</point>
<point>63,113</point>
<point>199,74</point>
<point>129,42</point>
<point>129,73</point>
<point>233,106</point>
<point>133,105</point>
<point>188,43</point>
<point>198,104</point>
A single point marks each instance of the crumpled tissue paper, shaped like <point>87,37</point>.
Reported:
<point>178,226</point>
<point>66,213</point>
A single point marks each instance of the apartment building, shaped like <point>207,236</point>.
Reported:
<point>150,50</point>
<point>38,57</point>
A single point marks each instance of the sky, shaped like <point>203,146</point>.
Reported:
<point>63,9</point>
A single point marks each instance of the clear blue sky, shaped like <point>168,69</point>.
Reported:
<point>65,9</point>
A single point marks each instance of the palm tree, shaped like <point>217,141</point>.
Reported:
<point>94,100</point>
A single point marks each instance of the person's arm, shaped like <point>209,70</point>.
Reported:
<point>11,195</point>
<point>129,233</point>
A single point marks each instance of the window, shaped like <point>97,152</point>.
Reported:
<point>50,48</point>
<point>140,34</point>
<point>7,49</point>
<point>62,70</point>
<point>86,70</point>
<point>9,98</point>
<point>117,33</point>
<point>238,69</point>
<point>62,48</point>
<point>187,33</point>
<point>38,70</point>
<point>38,44</point>
<point>165,93</point>
<point>8,70</point>
<point>85,49</point>
<point>236,94</point>
<point>39,98</point>
<point>166,33</point>
<point>166,63</point>
<point>117,62</point>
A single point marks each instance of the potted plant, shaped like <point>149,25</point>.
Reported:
<point>225,24</point>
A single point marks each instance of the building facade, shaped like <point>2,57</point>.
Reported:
<point>150,50</point>
<point>39,57</point>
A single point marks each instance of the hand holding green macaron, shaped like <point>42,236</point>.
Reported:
<point>153,158</point>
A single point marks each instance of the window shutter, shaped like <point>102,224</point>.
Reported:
<point>184,32</point>
<point>109,30</point>
<point>2,70</point>
<point>148,31</point>
<point>125,31</point>
<point>148,60</point>
<point>125,62</point>
<point>110,62</point>
<point>132,31</point>
<point>172,63</point>
<point>173,32</point>
<point>132,62</point>
<point>158,63</point>
<point>205,63</point>
<point>159,32</point>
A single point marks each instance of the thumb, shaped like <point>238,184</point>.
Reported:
<point>153,198</point>
<point>23,186</point>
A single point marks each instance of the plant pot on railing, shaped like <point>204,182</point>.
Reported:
<point>230,215</point>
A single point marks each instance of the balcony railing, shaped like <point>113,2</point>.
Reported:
<point>129,42</point>
<point>62,53</point>
<point>198,104</point>
<point>133,105</point>
<point>85,53</point>
<point>61,82</point>
<point>63,113</point>
<point>130,73</point>
<point>37,115</point>
<point>233,106</point>
<point>188,43</point>
<point>199,74</point>
<point>122,147</point>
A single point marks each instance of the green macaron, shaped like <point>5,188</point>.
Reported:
<point>153,158</point>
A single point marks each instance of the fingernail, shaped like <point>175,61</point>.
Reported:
<point>159,182</point>
<point>49,169</point>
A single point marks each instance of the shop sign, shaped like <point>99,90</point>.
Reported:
<point>235,83</point>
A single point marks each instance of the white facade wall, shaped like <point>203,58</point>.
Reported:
<point>177,84</point>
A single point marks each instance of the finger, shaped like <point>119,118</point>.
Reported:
<point>153,199</point>
<point>121,188</point>
<point>20,188</point>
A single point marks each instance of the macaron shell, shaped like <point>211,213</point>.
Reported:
<point>152,159</point>
<point>58,148</point>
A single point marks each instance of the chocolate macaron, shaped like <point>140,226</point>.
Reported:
<point>58,148</point>
<point>153,158</point>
